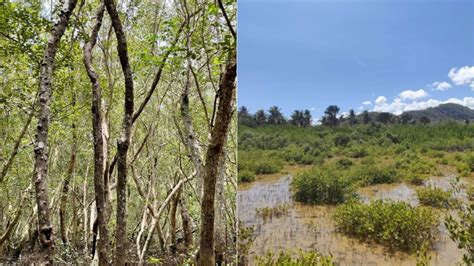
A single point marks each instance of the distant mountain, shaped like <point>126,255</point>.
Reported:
<point>448,111</point>
<point>442,112</point>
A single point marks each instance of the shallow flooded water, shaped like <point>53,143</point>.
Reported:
<point>310,227</point>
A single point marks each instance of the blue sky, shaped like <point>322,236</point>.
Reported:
<point>310,54</point>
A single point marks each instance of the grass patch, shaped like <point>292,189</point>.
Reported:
<point>396,225</point>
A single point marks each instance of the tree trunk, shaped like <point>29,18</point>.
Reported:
<point>45,229</point>
<point>124,141</point>
<point>173,209</point>
<point>220,215</point>
<point>99,160</point>
<point>186,220</point>
<point>214,152</point>
<point>67,179</point>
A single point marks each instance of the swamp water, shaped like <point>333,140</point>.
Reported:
<point>310,227</point>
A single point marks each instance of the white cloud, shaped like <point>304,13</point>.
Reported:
<point>367,103</point>
<point>462,76</point>
<point>398,106</point>
<point>380,100</point>
<point>412,95</point>
<point>441,86</point>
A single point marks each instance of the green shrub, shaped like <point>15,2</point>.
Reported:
<point>344,163</point>
<point>259,162</point>
<point>341,140</point>
<point>470,161</point>
<point>371,174</point>
<point>434,196</point>
<point>358,152</point>
<point>322,185</point>
<point>396,225</point>
<point>310,258</point>
<point>268,166</point>
<point>246,176</point>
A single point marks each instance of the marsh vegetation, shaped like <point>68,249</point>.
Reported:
<point>357,175</point>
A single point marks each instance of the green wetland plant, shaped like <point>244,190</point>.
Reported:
<point>461,225</point>
<point>370,174</point>
<point>434,197</point>
<point>259,162</point>
<point>307,258</point>
<point>396,225</point>
<point>246,176</point>
<point>323,185</point>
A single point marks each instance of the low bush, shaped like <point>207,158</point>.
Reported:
<point>434,197</point>
<point>322,185</point>
<point>259,162</point>
<point>268,166</point>
<point>470,161</point>
<point>344,163</point>
<point>358,152</point>
<point>370,174</point>
<point>311,258</point>
<point>396,225</point>
<point>246,176</point>
<point>341,140</point>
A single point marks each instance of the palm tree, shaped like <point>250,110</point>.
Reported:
<point>260,117</point>
<point>275,117</point>
<point>330,118</point>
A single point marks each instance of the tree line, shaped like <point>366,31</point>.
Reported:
<point>332,117</point>
<point>300,118</point>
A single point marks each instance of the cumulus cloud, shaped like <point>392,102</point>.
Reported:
<point>380,100</point>
<point>367,103</point>
<point>398,106</point>
<point>462,76</point>
<point>412,95</point>
<point>441,86</point>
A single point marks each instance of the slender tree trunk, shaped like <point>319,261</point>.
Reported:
<point>67,179</point>
<point>173,209</point>
<point>186,220</point>
<point>99,160</point>
<point>214,152</point>
<point>16,147</point>
<point>12,224</point>
<point>124,141</point>
<point>45,229</point>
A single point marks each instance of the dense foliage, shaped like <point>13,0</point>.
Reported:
<point>179,52</point>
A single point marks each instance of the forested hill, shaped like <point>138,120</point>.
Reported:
<point>440,113</point>
<point>448,111</point>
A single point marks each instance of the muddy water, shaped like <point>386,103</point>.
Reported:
<point>309,227</point>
